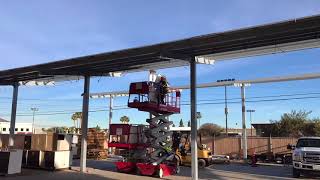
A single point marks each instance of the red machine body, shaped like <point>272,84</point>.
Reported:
<point>126,167</point>
<point>131,138</point>
<point>143,102</point>
<point>151,170</point>
<point>126,136</point>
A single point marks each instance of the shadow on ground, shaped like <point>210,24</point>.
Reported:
<point>35,174</point>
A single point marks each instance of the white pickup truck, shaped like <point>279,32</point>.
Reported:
<point>306,156</point>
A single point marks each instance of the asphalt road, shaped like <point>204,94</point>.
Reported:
<point>105,170</point>
<point>218,171</point>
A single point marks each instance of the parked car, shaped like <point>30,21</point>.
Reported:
<point>306,156</point>
<point>220,159</point>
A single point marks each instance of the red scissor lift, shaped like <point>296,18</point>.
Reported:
<point>146,147</point>
<point>127,139</point>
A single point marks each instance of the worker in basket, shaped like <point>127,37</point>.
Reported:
<point>163,89</point>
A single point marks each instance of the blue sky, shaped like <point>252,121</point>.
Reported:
<point>44,31</point>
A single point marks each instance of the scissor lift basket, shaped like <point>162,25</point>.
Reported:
<point>139,97</point>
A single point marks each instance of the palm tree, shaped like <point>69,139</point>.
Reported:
<point>124,119</point>
<point>76,117</point>
<point>181,123</point>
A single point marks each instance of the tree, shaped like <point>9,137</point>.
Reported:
<point>73,129</point>
<point>181,123</point>
<point>189,124</point>
<point>98,129</point>
<point>210,130</point>
<point>76,117</point>
<point>317,127</point>
<point>124,119</point>
<point>293,124</point>
<point>173,125</point>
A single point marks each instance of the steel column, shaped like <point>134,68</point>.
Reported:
<point>84,128</point>
<point>244,128</point>
<point>13,113</point>
<point>110,109</point>
<point>110,117</point>
<point>193,118</point>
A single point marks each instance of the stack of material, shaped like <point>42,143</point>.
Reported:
<point>48,151</point>
<point>20,141</point>
<point>10,162</point>
<point>51,142</point>
<point>97,144</point>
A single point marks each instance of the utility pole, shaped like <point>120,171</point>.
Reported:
<point>199,116</point>
<point>110,109</point>
<point>244,128</point>
<point>34,109</point>
<point>110,118</point>
<point>226,110</point>
<point>251,111</point>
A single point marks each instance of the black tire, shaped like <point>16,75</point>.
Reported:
<point>138,172</point>
<point>295,173</point>
<point>202,163</point>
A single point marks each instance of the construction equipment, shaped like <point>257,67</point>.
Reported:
<point>147,148</point>
<point>181,140</point>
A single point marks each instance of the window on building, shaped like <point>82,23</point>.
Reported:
<point>4,129</point>
<point>16,129</point>
<point>21,129</point>
<point>27,129</point>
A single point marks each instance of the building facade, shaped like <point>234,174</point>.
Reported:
<point>21,128</point>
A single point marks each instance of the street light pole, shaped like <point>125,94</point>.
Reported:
<point>33,116</point>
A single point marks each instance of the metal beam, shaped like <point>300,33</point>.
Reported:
<point>13,113</point>
<point>193,118</point>
<point>298,77</point>
<point>256,81</point>
<point>84,128</point>
<point>108,94</point>
<point>244,128</point>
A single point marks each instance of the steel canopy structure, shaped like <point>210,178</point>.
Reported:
<point>284,36</point>
<point>270,38</point>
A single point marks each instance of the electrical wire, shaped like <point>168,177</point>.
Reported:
<point>122,107</point>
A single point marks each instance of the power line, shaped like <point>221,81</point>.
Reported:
<point>74,99</point>
<point>184,104</point>
<point>64,112</point>
<point>263,100</point>
<point>258,97</point>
